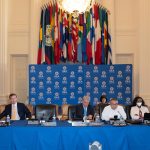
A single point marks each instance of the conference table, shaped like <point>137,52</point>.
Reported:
<point>22,136</point>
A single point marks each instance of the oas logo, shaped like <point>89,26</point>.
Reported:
<point>56,86</point>
<point>128,90</point>
<point>32,69</point>
<point>128,68</point>
<point>33,90</point>
<point>48,81</point>
<point>56,75</point>
<point>64,91</point>
<point>33,80</point>
<point>80,90</point>
<point>111,80</point>
<point>119,95</point>
<point>48,70</point>
<point>103,75</point>
<point>72,95</point>
<point>48,101</point>
<point>119,75</point>
<point>40,97</point>
<point>41,85</point>
<point>72,84</point>
<point>111,90</point>
<point>95,101</point>
<point>95,69</point>
<point>64,69</point>
<point>88,75</point>
<point>64,101</point>
<point>40,74</point>
<point>103,93</point>
<point>95,80</point>
<point>56,95</point>
<point>64,81</point>
<point>88,84</point>
<point>80,80</point>
<point>49,90</point>
<point>72,75</point>
<point>95,146</point>
<point>128,100</point>
<point>32,100</point>
<point>79,100</point>
<point>119,85</point>
<point>95,90</point>
<point>127,81</point>
<point>103,85</point>
<point>80,69</point>
<point>111,69</point>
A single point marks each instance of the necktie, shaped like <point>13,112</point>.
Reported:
<point>85,111</point>
<point>140,113</point>
<point>14,113</point>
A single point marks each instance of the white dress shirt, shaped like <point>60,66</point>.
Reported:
<point>14,106</point>
<point>109,113</point>
<point>135,111</point>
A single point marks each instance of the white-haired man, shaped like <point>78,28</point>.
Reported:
<point>85,109</point>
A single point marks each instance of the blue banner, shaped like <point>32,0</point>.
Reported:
<point>67,84</point>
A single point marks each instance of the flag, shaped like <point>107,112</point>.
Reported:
<point>88,38</point>
<point>40,40</point>
<point>98,44</point>
<point>75,38</point>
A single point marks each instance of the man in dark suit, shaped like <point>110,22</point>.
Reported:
<point>85,109</point>
<point>16,110</point>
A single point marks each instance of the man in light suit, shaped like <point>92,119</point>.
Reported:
<point>85,109</point>
<point>16,110</point>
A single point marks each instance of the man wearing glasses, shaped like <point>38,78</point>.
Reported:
<point>113,111</point>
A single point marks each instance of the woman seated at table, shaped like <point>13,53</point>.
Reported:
<point>138,108</point>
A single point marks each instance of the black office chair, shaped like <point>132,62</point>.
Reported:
<point>72,112</point>
<point>45,112</point>
<point>101,107</point>
<point>127,110</point>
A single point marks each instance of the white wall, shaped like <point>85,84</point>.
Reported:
<point>130,38</point>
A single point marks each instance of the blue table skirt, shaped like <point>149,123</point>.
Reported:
<point>64,137</point>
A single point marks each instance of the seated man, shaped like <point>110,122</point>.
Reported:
<point>113,110</point>
<point>85,109</point>
<point>16,111</point>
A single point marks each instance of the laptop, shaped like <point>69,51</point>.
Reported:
<point>147,116</point>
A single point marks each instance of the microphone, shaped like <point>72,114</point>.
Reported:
<point>121,117</point>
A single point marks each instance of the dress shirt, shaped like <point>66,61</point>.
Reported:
<point>135,111</point>
<point>14,107</point>
<point>109,113</point>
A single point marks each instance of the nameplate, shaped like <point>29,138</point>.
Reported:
<point>49,124</point>
<point>78,123</point>
<point>33,122</point>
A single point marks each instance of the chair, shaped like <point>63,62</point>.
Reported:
<point>64,109</point>
<point>2,107</point>
<point>71,112</point>
<point>45,112</point>
<point>127,110</point>
<point>31,108</point>
<point>101,108</point>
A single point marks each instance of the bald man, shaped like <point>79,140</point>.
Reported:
<point>85,109</point>
<point>113,110</point>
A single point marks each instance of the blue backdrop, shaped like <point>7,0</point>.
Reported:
<point>60,84</point>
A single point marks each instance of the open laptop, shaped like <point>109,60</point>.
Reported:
<point>147,116</point>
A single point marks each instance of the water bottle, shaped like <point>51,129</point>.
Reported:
<point>8,120</point>
<point>85,119</point>
<point>97,118</point>
<point>54,118</point>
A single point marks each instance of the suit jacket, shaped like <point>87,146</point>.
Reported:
<point>80,111</point>
<point>23,111</point>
